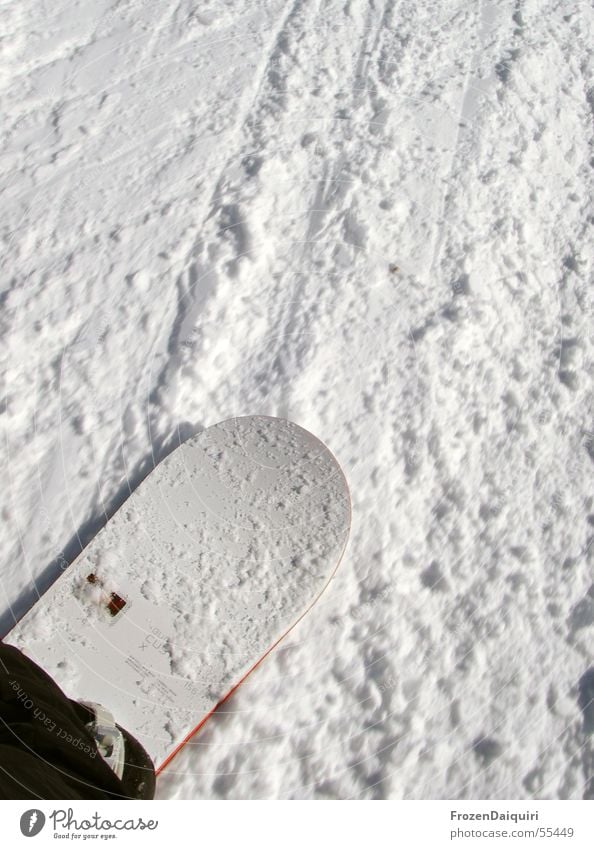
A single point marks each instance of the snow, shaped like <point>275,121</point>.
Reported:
<point>372,219</point>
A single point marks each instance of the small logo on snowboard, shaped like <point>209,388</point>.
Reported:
<point>99,595</point>
<point>111,600</point>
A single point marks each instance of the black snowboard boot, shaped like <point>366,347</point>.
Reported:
<point>121,751</point>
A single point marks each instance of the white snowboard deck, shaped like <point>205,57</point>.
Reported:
<point>217,554</point>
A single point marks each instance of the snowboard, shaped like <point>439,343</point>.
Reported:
<point>210,562</point>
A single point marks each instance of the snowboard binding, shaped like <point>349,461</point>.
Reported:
<point>120,750</point>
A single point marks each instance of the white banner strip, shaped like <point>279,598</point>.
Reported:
<point>301,824</point>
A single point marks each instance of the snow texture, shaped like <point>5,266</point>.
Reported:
<point>371,218</point>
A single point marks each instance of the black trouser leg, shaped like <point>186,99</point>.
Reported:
<point>46,752</point>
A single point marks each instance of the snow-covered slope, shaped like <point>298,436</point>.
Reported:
<point>371,218</point>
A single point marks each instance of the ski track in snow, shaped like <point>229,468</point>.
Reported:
<point>373,219</point>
